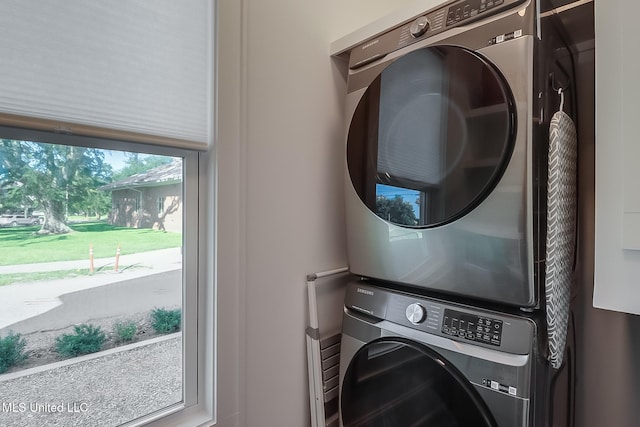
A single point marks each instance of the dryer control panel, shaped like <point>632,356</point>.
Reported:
<point>428,24</point>
<point>469,9</point>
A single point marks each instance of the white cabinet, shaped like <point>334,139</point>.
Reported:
<point>617,244</point>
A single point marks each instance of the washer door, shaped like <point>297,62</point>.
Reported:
<point>397,382</point>
<point>431,136</point>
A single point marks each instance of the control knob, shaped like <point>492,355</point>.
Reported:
<point>419,26</point>
<point>416,313</point>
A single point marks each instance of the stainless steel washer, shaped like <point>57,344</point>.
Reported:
<point>407,360</point>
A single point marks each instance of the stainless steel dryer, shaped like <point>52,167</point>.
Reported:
<point>413,361</point>
<point>446,165</point>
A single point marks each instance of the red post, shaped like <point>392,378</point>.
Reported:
<point>90,259</point>
<point>115,268</point>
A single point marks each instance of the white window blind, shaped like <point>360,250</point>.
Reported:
<point>139,70</point>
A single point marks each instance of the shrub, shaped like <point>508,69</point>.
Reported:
<point>11,351</point>
<point>126,331</point>
<point>85,339</point>
<point>166,321</point>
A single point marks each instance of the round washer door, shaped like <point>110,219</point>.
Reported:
<point>397,382</point>
<point>431,136</point>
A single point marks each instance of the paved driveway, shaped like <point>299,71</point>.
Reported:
<point>29,307</point>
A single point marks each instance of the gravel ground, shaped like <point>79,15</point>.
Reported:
<point>40,347</point>
<point>105,391</point>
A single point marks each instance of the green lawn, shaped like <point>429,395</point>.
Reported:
<point>21,245</point>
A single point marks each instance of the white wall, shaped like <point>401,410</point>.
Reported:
<point>617,258</point>
<point>608,349</point>
<point>280,161</point>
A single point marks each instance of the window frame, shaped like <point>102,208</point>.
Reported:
<point>198,272</point>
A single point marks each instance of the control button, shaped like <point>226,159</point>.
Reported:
<point>416,313</point>
<point>419,26</point>
<point>450,17</point>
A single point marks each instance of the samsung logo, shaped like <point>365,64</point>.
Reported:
<point>368,45</point>
<point>364,291</point>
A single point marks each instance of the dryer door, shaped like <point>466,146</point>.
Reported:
<point>397,382</point>
<point>431,136</point>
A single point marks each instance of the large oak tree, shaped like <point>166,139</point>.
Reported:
<point>53,175</point>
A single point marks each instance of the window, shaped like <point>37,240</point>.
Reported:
<point>101,305</point>
<point>160,205</point>
<point>133,78</point>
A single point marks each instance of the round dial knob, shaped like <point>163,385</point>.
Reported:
<point>419,26</point>
<point>416,313</point>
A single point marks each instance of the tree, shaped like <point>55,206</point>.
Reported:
<point>53,175</point>
<point>12,199</point>
<point>91,202</point>
<point>138,163</point>
<point>395,210</point>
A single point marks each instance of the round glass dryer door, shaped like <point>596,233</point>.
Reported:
<point>396,382</point>
<point>431,136</point>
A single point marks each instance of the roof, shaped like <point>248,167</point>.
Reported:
<point>170,173</point>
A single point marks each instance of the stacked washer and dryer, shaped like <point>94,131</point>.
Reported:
<point>460,218</point>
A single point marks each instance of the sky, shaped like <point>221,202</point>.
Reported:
<point>407,195</point>
<point>116,159</point>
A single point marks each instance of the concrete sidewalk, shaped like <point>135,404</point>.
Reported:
<point>152,259</point>
<point>27,300</point>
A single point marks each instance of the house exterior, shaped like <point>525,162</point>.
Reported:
<point>151,199</point>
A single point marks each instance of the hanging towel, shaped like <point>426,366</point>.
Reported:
<point>561,229</point>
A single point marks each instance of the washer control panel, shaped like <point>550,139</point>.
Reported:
<point>472,327</point>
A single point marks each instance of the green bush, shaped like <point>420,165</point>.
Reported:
<point>126,331</point>
<point>85,339</point>
<point>166,321</point>
<point>11,351</point>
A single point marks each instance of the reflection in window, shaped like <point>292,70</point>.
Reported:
<point>436,129</point>
<point>398,205</point>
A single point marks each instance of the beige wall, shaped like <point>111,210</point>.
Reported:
<point>295,214</point>
<point>280,162</point>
